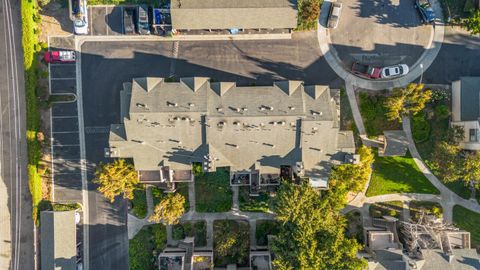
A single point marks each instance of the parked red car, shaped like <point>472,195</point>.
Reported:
<point>366,71</point>
<point>59,56</point>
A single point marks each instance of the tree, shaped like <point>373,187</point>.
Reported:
<point>116,178</point>
<point>405,101</point>
<point>312,231</point>
<point>471,174</point>
<point>472,23</point>
<point>310,10</point>
<point>446,162</point>
<point>169,210</point>
<point>354,176</point>
<point>231,240</point>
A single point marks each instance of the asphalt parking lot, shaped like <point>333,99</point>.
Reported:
<point>105,20</point>
<point>380,33</point>
<point>65,132</point>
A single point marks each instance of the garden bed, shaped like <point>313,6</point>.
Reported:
<point>231,243</point>
<point>213,192</point>
<point>398,175</point>
<point>429,207</point>
<point>139,203</point>
<point>392,209</point>
<point>191,229</point>
<point>373,114</point>
<point>182,188</point>
<point>141,249</point>
<point>264,229</point>
<point>354,227</point>
<point>260,203</point>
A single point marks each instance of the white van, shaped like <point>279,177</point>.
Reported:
<point>80,24</point>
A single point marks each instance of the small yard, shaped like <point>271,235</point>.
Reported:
<point>213,192</point>
<point>398,175</point>
<point>468,221</point>
<point>182,188</point>
<point>428,207</point>
<point>141,249</point>
<point>354,227</point>
<point>139,202</point>
<point>260,203</point>
<point>393,209</point>
<point>373,114</point>
<point>264,229</point>
<point>231,243</point>
<point>191,229</point>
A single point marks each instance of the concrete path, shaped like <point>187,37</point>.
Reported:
<point>235,203</point>
<point>425,60</point>
<point>191,195</point>
<point>209,224</point>
<point>150,205</point>
<point>253,233</point>
<point>170,240</point>
<point>352,100</point>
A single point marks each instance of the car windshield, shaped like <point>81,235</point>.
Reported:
<point>79,23</point>
<point>400,70</point>
<point>387,72</point>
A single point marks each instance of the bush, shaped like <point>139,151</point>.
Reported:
<point>231,242</point>
<point>264,229</point>
<point>442,111</point>
<point>421,127</point>
<point>197,168</point>
<point>308,13</point>
<point>139,203</point>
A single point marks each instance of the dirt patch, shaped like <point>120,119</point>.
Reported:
<point>55,20</point>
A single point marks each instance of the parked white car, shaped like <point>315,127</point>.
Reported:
<point>80,24</point>
<point>334,15</point>
<point>394,71</point>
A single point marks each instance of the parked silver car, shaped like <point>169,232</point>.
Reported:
<point>334,15</point>
<point>394,71</point>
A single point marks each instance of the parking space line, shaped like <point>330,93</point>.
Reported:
<point>63,79</point>
<point>73,116</point>
<point>61,132</point>
<point>106,20</point>
<point>61,145</point>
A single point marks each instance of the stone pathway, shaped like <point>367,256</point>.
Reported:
<point>191,195</point>
<point>253,232</point>
<point>209,224</point>
<point>352,100</point>
<point>235,203</point>
<point>150,205</point>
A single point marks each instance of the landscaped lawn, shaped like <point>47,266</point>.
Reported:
<point>139,202</point>
<point>468,221</point>
<point>265,228</point>
<point>191,229</point>
<point>398,175</point>
<point>248,203</point>
<point>373,114</point>
<point>141,247</point>
<point>231,243</point>
<point>213,192</point>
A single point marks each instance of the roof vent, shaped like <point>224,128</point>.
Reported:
<point>142,105</point>
<point>273,123</point>
<point>191,105</point>
<point>282,123</point>
<point>221,124</point>
<point>244,109</point>
<point>172,104</point>
<point>262,108</point>
<point>291,108</point>
<point>219,109</point>
<point>236,123</point>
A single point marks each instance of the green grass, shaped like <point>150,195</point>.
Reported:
<point>468,221</point>
<point>398,175</point>
<point>213,192</point>
<point>231,243</point>
<point>139,203</point>
<point>141,248</point>
<point>373,115</point>
<point>393,209</point>
<point>191,229</point>
<point>248,203</point>
<point>265,228</point>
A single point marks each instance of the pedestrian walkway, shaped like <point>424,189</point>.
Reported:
<point>235,203</point>
<point>253,233</point>
<point>352,100</point>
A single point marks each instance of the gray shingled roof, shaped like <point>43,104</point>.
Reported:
<point>58,240</point>
<point>228,14</point>
<point>264,126</point>
<point>470,98</point>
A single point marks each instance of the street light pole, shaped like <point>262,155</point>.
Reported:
<point>421,74</point>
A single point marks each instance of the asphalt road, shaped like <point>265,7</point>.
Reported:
<point>16,230</point>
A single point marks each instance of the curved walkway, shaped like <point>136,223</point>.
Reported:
<point>427,58</point>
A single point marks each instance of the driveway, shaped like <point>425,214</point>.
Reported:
<point>380,33</point>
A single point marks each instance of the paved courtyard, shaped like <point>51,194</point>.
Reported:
<point>380,32</point>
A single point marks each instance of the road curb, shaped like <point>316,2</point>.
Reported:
<point>416,70</point>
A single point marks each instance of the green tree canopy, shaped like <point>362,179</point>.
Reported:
<point>472,23</point>
<point>169,210</point>
<point>312,232</point>
<point>405,101</point>
<point>446,161</point>
<point>471,167</point>
<point>116,178</point>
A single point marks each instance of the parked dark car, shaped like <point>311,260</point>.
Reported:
<point>129,19</point>
<point>426,11</point>
<point>143,21</point>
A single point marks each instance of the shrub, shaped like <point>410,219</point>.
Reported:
<point>421,127</point>
<point>442,111</point>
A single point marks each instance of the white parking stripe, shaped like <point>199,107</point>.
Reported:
<point>61,145</point>
<point>63,159</point>
<point>73,116</point>
<point>63,79</point>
